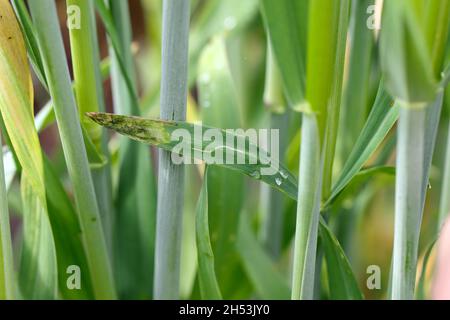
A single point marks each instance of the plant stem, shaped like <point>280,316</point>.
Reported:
<point>6,256</point>
<point>408,204</point>
<point>51,46</point>
<point>308,210</point>
<point>89,96</point>
<point>335,100</point>
<point>171,177</point>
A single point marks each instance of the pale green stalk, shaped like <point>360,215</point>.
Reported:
<point>417,130</point>
<point>308,210</point>
<point>335,101</point>
<point>328,20</point>
<point>408,205</point>
<point>51,46</point>
<point>6,256</point>
<point>171,177</point>
<point>89,96</point>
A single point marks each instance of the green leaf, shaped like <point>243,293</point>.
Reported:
<point>38,267</point>
<point>356,100</point>
<point>209,287</point>
<point>16,99</point>
<point>320,68</point>
<point>341,281</point>
<point>220,108</point>
<point>357,182</point>
<point>31,42</point>
<point>135,197</point>
<point>159,133</point>
<point>66,232</point>
<point>405,56</point>
<point>288,41</point>
<point>381,119</point>
<point>266,279</point>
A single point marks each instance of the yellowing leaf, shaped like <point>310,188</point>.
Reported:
<point>38,267</point>
<point>16,97</point>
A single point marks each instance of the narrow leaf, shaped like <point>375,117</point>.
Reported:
<point>288,41</point>
<point>266,279</point>
<point>209,287</point>
<point>342,282</point>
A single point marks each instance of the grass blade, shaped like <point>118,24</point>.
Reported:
<point>220,108</point>
<point>342,282</point>
<point>159,133</point>
<point>405,57</point>
<point>209,287</point>
<point>51,47</point>
<point>356,100</point>
<point>381,120</point>
<point>66,230</point>
<point>24,20</point>
<point>38,267</point>
<point>334,105</point>
<point>288,41</point>
<point>267,281</point>
<point>135,198</point>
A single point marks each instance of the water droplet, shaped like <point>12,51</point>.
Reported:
<point>206,103</point>
<point>278,181</point>
<point>230,23</point>
<point>205,78</point>
<point>284,174</point>
<point>256,175</point>
<point>429,185</point>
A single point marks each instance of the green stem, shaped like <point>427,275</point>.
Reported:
<point>6,255</point>
<point>171,177</point>
<point>335,100</point>
<point>408,204</point>
<point>308,210</point>
<point>51,46</point>
<point>89,96</point>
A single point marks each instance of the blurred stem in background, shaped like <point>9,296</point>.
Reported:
<point>272,232</point>
<point>175,35</point>
<point>52,51</point>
